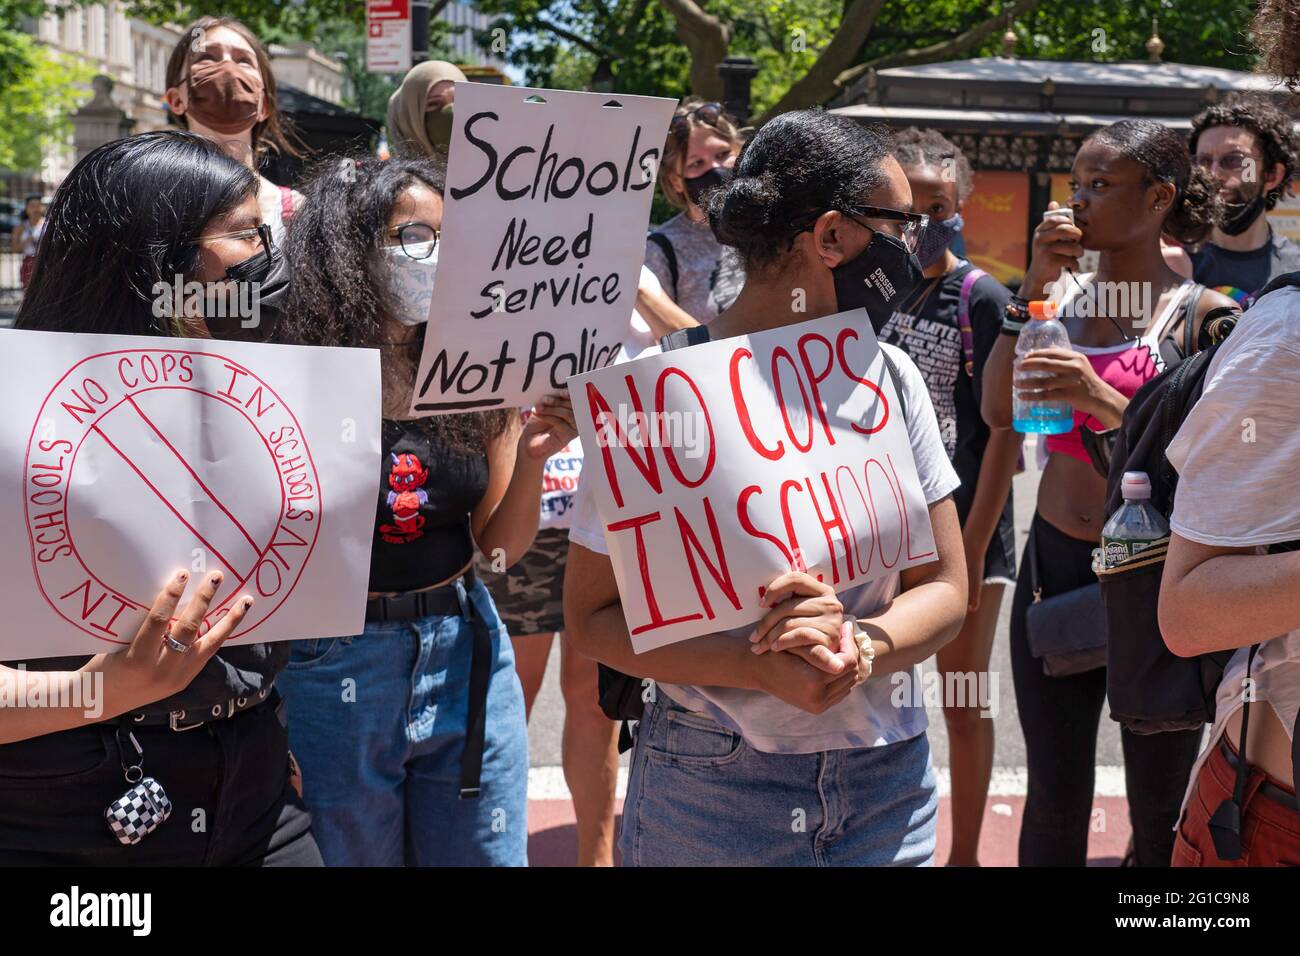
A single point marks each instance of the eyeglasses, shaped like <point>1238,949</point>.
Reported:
<point>910,226</point>
<point>1231,163</point>
<point>708,113</point>
<point>418,239</point>
<point>261,233</point>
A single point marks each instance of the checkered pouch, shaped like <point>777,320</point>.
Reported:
<point>138,812</point>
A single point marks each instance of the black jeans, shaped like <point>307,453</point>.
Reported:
<point>228,781</point>
<point>1059,717</point>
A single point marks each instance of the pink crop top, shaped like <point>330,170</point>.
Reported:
<point>1125,367</point>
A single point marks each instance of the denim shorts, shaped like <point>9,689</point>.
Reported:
<point>700,795</point>
<point>377,724</point>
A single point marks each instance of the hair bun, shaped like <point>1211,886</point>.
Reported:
<point>743,208</point>
<point>1196,209</point>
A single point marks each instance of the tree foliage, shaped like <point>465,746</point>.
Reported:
<point>39,91</point>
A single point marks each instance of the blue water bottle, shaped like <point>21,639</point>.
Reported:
<point>1028,414</point>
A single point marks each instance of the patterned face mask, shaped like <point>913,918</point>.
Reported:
<point>937,238</point>
<point>413,281</point>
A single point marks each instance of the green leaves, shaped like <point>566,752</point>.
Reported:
<point>39,88</point>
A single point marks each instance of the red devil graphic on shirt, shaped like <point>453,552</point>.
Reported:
<point>406,481</point>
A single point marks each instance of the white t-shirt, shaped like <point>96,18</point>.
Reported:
<point>1237,456</point>
<point>639,334</point>
<point>880,711</point>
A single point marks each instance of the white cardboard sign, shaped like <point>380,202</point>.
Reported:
<point>543,237</point>
<point>129,458</point>
<point>718,467</point>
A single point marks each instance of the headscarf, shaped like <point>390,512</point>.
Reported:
<point>406,108</point>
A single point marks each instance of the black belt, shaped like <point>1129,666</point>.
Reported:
<point>447,601</point>
<point>192,719</point>
<point>1268,788</point>
<point>413,605</point>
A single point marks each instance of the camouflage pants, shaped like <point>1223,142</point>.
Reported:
<point>530,594</point>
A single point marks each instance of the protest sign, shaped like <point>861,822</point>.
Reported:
<point>543,236</point>
<point>129,458</point>
<point>718,467</point>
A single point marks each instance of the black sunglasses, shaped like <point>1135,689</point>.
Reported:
<point>708,113</point>
<point>912,229</point>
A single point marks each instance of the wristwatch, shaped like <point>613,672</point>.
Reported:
<point>866,650</point>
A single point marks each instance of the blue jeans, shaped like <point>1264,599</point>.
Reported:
<point>699,795</point>
<point>377,724</point>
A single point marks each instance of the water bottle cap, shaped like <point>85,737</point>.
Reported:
<point>1135,485</point>
<point>1042,309</point>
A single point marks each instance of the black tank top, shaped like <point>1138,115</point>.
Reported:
<point>426,493</point>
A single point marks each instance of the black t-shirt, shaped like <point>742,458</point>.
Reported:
<point>426,493</point>
<point>927,329</point>
<point>1240,275</point>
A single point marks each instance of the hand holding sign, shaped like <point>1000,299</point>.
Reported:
<point>149,669</point>
<point>813,690</point>
<point>549,427</point>
<point>805,613</point>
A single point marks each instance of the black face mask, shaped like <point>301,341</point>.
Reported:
<point>715,177</point>
<point>877,279</point>
<point>258,299</point>
<point>1238,216</point>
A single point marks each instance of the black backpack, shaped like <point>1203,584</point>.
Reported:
<point>1150,689</point>
<point>622,696</point>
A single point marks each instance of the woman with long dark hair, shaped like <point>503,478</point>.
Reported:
<point>220,85</point>
<point>426,763</point>
<point>132,216</point>
<point>1132,182</point>
<point>733,741</point>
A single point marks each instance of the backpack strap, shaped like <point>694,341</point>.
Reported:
<point>286,203</point>
<point>682,338</point>
<point>666,247</point>
<point>1225,822</point>
<point>963,318</point>
<point>897,378</point>
<point>1189,320</point>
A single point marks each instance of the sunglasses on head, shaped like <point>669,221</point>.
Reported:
<point>707,113</point>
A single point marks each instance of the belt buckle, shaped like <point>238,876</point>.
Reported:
<point>177,715</point>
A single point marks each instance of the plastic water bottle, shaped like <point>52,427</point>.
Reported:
<point>1136,525</point>
<point>1029,415</point>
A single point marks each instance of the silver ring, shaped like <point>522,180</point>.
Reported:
<point>175,645</point>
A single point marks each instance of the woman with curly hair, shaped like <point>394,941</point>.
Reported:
<point>1131,182</point>
<point>412,733</point>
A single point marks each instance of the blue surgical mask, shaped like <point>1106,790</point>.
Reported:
<point>413,283</point>
<point>937,238</point>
